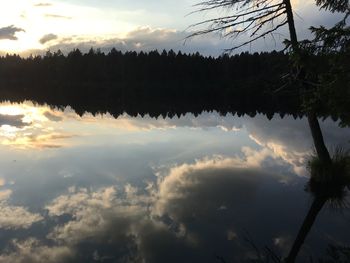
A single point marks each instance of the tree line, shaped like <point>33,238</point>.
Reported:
<point>139,82</point>
<point>155,83</point>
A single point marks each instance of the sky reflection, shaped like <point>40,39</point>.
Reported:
<point>98,189</point>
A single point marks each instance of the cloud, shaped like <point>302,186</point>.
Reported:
<point>30,127</point>
<point>233,193</point>
<point>2,182</point>
<point>123,220</point>
<point>167,38</point>
<point>99,216</point>
<point>146,38</point>
<point>47,38</point>
<point>15,217</point>
<point>43,4</point>
<point>80,198</point>
<point>142,38</point>
<point>12,120</point>
<point>240,174</point>
<point>33,251</point>
<point>297,159</point>
<point>291,139</point>
<point>9,32</point>
<point>94,213</point>
<point>37,141</point>
<point>57,16</point>
<point>53,116</point>
<point>4,194</point>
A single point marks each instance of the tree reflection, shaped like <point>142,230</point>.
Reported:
<point>329,178</point>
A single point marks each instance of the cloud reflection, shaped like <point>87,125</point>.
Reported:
<point>192,212</point>
<point>15,217</point>
<point>169,221</point>
<point>28,126</point>
<point>183,208</point>
<point>33,251</point>
<point>288,138</point>
<point>12,120</point>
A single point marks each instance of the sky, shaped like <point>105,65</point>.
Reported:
<point>35,26</point>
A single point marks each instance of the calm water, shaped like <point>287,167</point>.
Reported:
<point>189,189</point>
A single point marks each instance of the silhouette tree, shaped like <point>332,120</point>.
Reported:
<point>331,77</point>
<point>252,16</point>
<point>260,18</point>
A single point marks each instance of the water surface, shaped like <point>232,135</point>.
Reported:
<point>139,189</point>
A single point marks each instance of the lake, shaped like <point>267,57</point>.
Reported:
<point>205,188</point>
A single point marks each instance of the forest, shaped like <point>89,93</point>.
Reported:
<point>154,83</point>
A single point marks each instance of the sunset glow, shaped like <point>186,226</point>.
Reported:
<point>65,24</point>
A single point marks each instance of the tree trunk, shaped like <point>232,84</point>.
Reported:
<point>291,25</point>
<point>316,132</point>
<point>321,150</point>
<point>317,137</point>
<point>309,220</point>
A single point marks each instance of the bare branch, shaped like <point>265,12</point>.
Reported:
<point>238,15</point>
<point>259,22</point>
<point>266,21</point>
<point>257,17</point>
<point>256,38</point>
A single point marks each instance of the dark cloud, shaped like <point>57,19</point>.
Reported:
<point>12,120</point>
<point>47,38</point>
<point>193,197</point>
<point>43,4</point>
<point>52,117</point>
<point>9,32</point>
<point>57,16</point>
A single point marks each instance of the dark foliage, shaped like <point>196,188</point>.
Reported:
<point>166,83</point>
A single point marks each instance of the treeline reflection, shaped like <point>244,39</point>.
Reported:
<point>157,83</point>
<point>165,83</point>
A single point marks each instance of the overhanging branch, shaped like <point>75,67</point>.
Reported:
<point>256,17</point>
